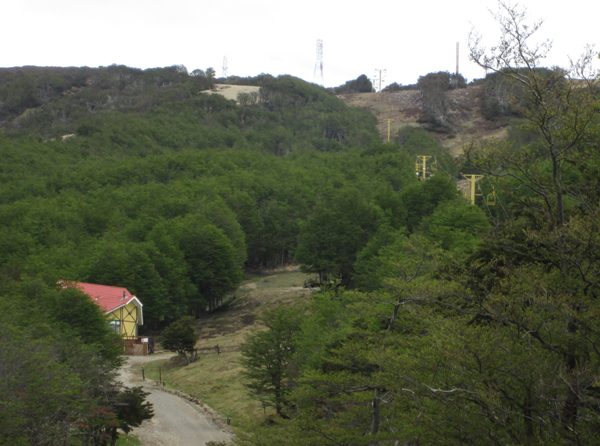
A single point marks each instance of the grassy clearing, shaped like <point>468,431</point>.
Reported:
<point>217,379</point>
<point>228,327</point>
<point>214,379</point>
<point>128,440</point>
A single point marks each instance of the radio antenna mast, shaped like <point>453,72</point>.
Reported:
<point>457,72</point>
<point>224,69</point>
<point>318,75</point>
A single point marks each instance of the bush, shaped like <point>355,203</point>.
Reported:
<point>180,337</point>
<point>361,84</point>
<point>436,106</point>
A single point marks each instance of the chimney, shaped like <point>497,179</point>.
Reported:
<point>123,295</point>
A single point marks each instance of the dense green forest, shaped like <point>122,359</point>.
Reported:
<point>439,322</point>
<point>174,193</point>
<point>139,179</point>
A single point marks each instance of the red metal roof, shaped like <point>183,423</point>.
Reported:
<point>109,298</point>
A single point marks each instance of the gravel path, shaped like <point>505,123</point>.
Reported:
<point>176,421</point>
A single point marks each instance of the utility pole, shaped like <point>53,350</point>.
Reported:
<point>389,120</point>
<point>379,79</point>
<point>457,72</point>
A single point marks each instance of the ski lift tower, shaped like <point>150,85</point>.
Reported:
<point>473,179</point>
<point>425,168</point>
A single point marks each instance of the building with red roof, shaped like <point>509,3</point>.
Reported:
<point>124,310</point>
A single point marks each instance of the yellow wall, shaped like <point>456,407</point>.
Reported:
<point>128,315</point>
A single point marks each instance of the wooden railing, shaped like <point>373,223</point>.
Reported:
<point>218,349</point>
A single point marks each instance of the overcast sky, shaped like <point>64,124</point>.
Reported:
<point>408,38</point>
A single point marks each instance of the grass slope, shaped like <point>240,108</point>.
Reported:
<point>404,108</point>
<point>217,380</point>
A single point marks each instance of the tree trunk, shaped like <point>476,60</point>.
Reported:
<point>113,436</point>
<point>375,412</point>
<point>527,416</point>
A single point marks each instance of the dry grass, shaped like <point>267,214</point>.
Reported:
<point>404,108</point>
<point>217,379</point>
<point>231,91</point>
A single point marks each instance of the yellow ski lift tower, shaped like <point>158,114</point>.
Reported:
<point>423,173</point>
<point>389,120</point>
<point>472,180</point>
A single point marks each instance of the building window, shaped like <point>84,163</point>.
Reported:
<point>116,326</point>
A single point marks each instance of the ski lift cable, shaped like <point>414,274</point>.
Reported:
<point>487,205</point>
<point>442,167</point>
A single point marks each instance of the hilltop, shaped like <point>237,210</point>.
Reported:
<point>52,102</point>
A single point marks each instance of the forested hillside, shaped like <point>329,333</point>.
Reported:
<point>172,192</point>
<point>139,179</point>
<point>439,322</point>
<point>453,340</point>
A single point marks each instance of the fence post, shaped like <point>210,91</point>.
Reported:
<point>143,376</point>
<point>159,373</point>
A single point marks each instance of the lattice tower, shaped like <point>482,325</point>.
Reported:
<point>318,75</point>
<point>224,69</point>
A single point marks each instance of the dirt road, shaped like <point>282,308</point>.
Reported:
<point>176,421</point>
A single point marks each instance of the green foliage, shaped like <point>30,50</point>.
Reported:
<point>456,225</point>
<point>369,268</point>
<point>266,355</point>
<point>330,240</point>
<point>211,259</point>
<point>132,408</point>
<point>56,379</point>
<point>470,335</point>
<point>91,204</point>
<point>417,141</point>
<point>180,337</point>
<point>362,84</point>
<point>503,96</point>
<point>421,198</point>
<point>38,394</point>
<point>436,105</point>
<point>79,316</point>
<point>394,86</point>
